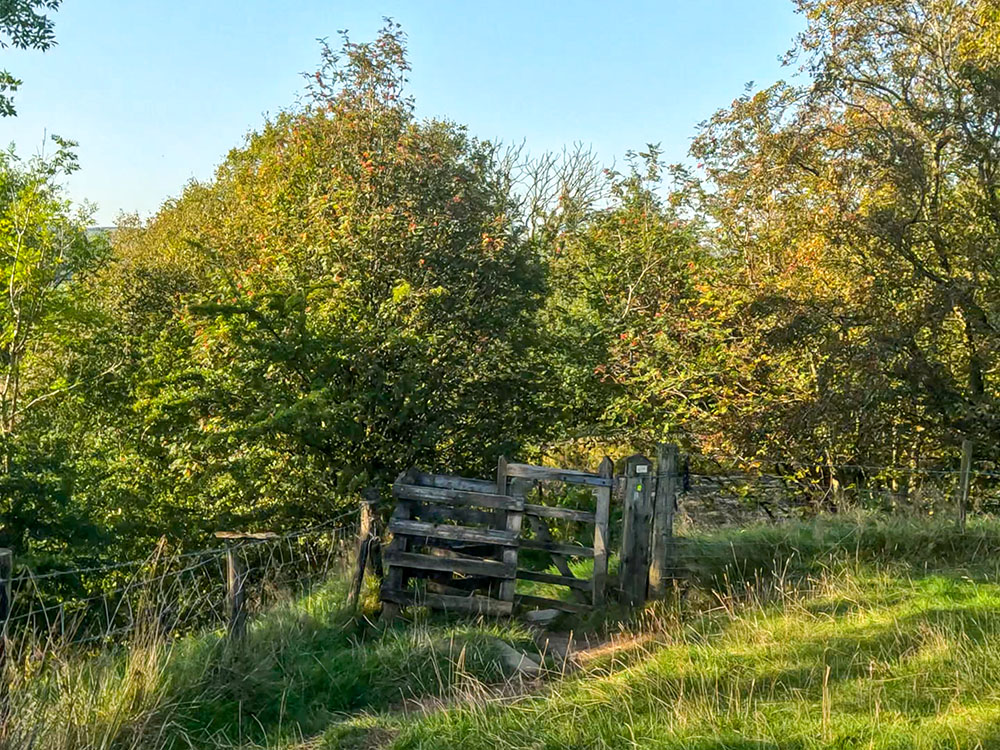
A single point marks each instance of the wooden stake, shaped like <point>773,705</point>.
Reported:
<point>6,576</point>
<point>369,546</point>
<point>963,484</point>
<point>601,523</point>
<point>663,519</point>
<point>236,575</point>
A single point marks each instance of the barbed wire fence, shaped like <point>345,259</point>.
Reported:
<point>167,594</point>
<point>778,488</point>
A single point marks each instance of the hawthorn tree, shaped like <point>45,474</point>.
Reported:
<point>351,295</point>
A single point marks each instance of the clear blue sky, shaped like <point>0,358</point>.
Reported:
<point>158,91</point>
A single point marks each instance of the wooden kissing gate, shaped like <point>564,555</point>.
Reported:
<point>458,540</point>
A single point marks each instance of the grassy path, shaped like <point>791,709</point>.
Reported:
<point>872,658</point>
<point>853,633</point>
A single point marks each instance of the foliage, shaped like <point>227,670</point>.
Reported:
<point>351,295</point>
<point>358,290</point>
<point>860,204</point>
<point>23,25</point>
<point>45,255</point>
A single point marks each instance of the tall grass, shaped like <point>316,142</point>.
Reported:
<point>846,633</point>
<point>302,665</point>
<point>838,633</point>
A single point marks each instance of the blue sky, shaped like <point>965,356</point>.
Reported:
<point>157,92</point>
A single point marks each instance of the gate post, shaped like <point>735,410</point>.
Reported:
<point>512,524</point>
<point>369,544</point>
<point>636,529</point>
<point>663,519</point>
<point>236,576</point>
<point>601,518</point>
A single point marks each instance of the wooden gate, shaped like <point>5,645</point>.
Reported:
<point>457,540</point>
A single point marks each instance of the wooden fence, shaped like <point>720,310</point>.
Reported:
<point>459,543</point>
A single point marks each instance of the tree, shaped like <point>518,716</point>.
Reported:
<point>351,295</point>
<point>628,311</point>
<point>23,25</point>
<point>862,208</point>
<point>46,256</point>
<point>45,251</point>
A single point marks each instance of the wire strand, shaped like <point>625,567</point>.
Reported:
<point>298,534</point>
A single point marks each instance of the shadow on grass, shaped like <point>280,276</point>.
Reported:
<point>895,680</point>
<point>299,670</point>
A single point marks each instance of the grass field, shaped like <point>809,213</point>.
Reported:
<point>850,633</point>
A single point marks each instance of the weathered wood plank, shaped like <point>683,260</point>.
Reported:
<point>453,483</point>
<point>453,533</point>
<point>490,568</point>
<point>636,529</point>
<point>540,602</point>
<point>568,550</point>
<point>565,514</point>
<point>527,471</point>
<point>473,604</point>
<point>464,516</point>
<point>474,550</point>
<point>457,497</point>
<point>601,529</point>
<point>581,584</point>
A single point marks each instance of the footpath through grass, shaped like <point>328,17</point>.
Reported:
<point>849,633</point>
<point>834,634</point>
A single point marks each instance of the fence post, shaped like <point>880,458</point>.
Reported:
<point>636,529</point>
<point>663,519</point>
<point>369,544</point>
<point>236,576</point>
<point>963,484</point>
<point>602,516</point>
<point>512,524</point>
<point>6,577</point>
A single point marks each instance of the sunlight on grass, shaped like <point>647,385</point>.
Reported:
<point>858,653</point>
<point>832,634</point>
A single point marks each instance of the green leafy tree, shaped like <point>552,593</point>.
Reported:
<point>629,311</point>
<point>352,294</point>
<point>23,25</point>
<point>862,206</point>
<point>46,255</point>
